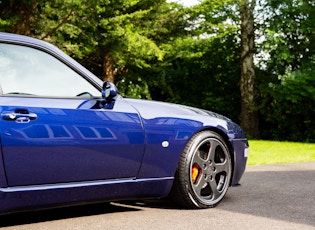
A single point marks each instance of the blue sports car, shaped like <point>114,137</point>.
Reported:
<point>68,138</point>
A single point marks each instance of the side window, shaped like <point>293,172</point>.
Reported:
<point>28,71</point>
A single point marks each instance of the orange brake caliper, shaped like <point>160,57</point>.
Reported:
<point>195,171</point>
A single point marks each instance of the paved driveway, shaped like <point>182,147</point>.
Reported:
<point>275,197</point>
<point>271,197</point>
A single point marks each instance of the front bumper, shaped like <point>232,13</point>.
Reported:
<point>240,155</point>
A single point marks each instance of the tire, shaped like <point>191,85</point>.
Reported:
<point>204,171</point>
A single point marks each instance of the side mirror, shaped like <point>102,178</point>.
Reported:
<point>109,92</point>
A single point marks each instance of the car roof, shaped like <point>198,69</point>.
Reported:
<point>27,40</point>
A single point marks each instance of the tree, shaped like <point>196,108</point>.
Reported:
<point>288,29</point>
<point>201,66</point>
<point>167,28</point>
<point>249,115</point>
<point>63,23</point>
<point>124,35</point>
<point>285,87</point>
<point>217,19</point>
<point>105,34</point>
<point>288,107</point>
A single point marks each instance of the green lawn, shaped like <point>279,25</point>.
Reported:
<point>274,152</point>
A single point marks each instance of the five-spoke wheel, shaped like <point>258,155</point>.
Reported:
<point>204,172</point>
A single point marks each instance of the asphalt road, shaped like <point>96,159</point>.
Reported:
<point>271,197</point>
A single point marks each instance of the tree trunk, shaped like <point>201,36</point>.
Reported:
<point>108,68</point>
<point>249,114</point>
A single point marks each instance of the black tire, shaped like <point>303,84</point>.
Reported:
<point>204,172</point>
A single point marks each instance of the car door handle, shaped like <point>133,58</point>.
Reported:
<point>22,116</point>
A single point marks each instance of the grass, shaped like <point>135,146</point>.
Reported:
<point>275,152</point>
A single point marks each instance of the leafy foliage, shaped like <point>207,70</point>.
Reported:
<point>289,34</point>
<point>286,85</point>
<point>288,107</point>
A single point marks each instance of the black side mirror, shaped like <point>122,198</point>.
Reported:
<point>109,92</point>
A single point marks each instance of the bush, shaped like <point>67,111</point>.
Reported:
<point>287,107</point>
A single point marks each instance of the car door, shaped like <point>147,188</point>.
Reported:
<point>52,128</point>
